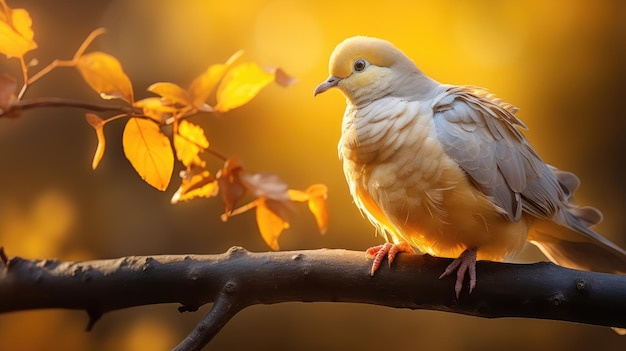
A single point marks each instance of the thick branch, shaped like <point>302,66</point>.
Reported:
<point>237,279</point>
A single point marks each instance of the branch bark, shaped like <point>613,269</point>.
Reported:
<point>238,279</point>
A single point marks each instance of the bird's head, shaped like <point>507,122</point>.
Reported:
<point>366,68</point>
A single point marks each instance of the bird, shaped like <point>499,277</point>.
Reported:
<point>446,170</point>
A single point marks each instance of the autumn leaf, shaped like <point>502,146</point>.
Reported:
<point>171,92</point>
<point>315,196</point>
<point>16,35</point>
<point>105,75</point>
<point>242,83</point>
<point>149,151</point>
<point>156,108</point>
<point>283,79</point>
<point>270,223</point>
<point>195,183</point>
<point>318,206</point>
<point>189,140</point>
<point>8,85</point>
<point>231,187</point>
<point>202,86</point>
<point>267,185</point>
<point>98,124</point>
<point>297,195</point>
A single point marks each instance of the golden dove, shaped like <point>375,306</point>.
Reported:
<point>446,170</point>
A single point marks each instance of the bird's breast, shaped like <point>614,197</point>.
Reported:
<point>403,181</point>
<point>389,150</point>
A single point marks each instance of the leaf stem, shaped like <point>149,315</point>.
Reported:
<point>92,36</point>
<point>216,154</point>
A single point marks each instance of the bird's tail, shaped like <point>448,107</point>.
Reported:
<point>578,247</point>
<point>567,240</point>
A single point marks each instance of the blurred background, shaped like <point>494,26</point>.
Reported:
<point>560,61</point>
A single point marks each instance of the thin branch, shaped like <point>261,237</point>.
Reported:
<point>238,278</point>
<point>58,63</point>
<point>51,66</point>
<point>90,38</point>
<point>22,105</point>
<point>216,154</point>
<point>24,68</point>
<point>224,308</point>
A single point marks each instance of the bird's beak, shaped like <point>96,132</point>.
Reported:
<point>331,82</point>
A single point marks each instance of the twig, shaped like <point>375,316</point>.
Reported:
<point>238,278</point>
<point>3,257</point>
<point>223,309</point>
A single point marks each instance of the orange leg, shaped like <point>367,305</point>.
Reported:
<point>387,249</point>
<point>466,262</point>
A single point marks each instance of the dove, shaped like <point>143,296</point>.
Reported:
<point>447,171</point>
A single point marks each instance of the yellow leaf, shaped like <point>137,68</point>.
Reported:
<point>240,85</point>
<point>317,205</point>
<point>16,35</point>
<point>188,142</point>
<point>155,108</point>
<point>270,224</point>
<point>149,151</point>
<point>98,124</point>
<point>196,184</point>
<point>297,195</point>
<point>171,92</point>
<point>105,75</point>
<point>204,84</point>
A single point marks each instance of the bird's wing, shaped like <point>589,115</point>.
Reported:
<point>480,133</point>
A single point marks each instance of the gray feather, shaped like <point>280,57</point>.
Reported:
<point>481,134</point>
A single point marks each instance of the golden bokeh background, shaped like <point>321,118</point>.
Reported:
<point>561,61</point>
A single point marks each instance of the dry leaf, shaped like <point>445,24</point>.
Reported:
<point>242,83</point>
<point>189,140</point>
<point>171,92</point>
<point>201,88</point>
<point>270,224</point>
<point>315,196</point>
<point>8,85</point>
<point>16,35</point>
<point>297,195</point>
<point>283,79</point>
<point>149,151</point>
<point>231,187</point>
<point>318,206</point>
<point>268,185</point>
<point>105,75</point>
<point>98,124</point>
<point>156,108</point>
<point>196,183</point>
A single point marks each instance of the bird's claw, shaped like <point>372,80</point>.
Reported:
<point>387,249</point>
<point>466,262</point>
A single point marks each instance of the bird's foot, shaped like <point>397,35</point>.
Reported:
<point>387,249</point>
<point>466,262</point>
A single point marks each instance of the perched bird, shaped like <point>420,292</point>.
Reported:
<point>446,170</point>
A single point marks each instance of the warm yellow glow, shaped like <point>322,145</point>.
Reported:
<point>560,61</point>
<point>287,34</point>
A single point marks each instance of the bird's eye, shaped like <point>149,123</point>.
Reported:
<point>359,65</point>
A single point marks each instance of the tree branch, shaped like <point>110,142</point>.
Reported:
<point>17,107</point>
<point>224,308</point>
<point>238,278</point>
